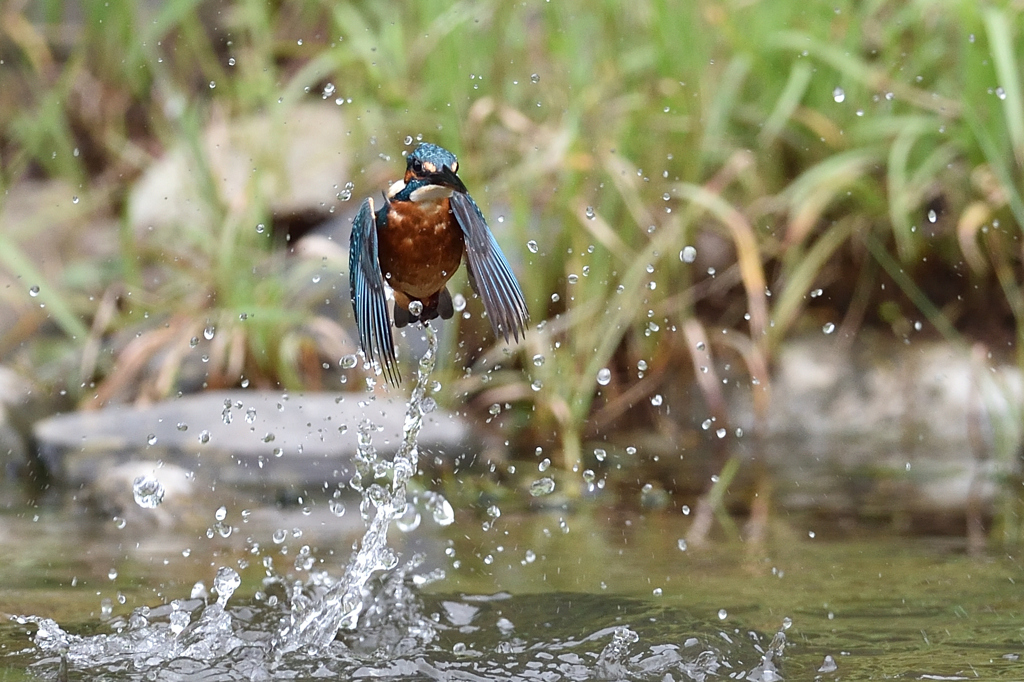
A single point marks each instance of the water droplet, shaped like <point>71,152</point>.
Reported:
<point>538,360</point>
<point>534,78</point>
<point>932,216</point>
<point>688,254</point>
<point>591,214</point>
<point>231,61</point>
<point>839,95</point>
<point>260,228</point>
<point>544,464</point>
<point>349,361</point>
<point>410,520</point>
<point>604,376</point>
<point>151,439</point>
<point>459,302</point>
<point>148,491</point>
<point>226,582</point>
<point>440,509</point>
<point>112,574</point>
<point>828,665</point>
<point>346,192</point>
<point>600,454</point>
<point>193,342</point>
<point>573,278</point>
<point>204,436</point>
<point>681,544</point>
<point>337,507</point>
<point>74,199</point>
<point>721,432</point>
<point>33,291</point>
<point>816,293</point>
<point>542,486</point>
<point>213,84</point>
<point>250,415</point>
<point>209,332</point>
<point>656,400</point>
<point>722,614</point>
<point>828,328</point>
<point>1000,93</point>
<point>532,246</point>
<point>415,308</point>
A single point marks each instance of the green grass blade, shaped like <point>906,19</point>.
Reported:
<point>21,266</point>
<point>789,100</point>
<point>997,24</point>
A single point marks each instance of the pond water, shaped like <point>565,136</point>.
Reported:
<point>593,594</point>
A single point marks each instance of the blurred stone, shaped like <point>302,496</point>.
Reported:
<point>882,428</point>
<point>301,157</point>
<point>276,443</point>
<point>911,435</point>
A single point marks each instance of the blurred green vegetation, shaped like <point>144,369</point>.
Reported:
<point>870,150</point>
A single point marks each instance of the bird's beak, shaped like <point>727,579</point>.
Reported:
<point>447,177</point>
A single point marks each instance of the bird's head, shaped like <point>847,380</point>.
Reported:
<point>429,164</point>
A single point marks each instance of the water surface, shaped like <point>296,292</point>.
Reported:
<point>537,595</point>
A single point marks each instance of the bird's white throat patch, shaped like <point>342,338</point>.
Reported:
<point>430,193</point>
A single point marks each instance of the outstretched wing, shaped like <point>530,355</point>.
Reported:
<point>490,272</point>
<point>369,300</point>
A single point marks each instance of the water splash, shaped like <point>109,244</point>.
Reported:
<point>312,624</point>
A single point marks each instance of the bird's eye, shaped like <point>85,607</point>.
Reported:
<point>417,165</point>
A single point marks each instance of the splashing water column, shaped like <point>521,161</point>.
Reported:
<point>313,624</point>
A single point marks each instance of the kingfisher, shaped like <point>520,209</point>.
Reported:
<point>413,244</point>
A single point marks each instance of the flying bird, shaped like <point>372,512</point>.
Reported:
<point>414,243</point>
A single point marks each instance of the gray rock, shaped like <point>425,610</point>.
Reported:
<point>301,154</point>
<point>266,441</point>
<point>886,427</point>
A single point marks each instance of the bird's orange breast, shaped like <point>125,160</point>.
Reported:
<point>420,247</point>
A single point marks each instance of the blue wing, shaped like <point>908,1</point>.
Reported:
<point>490,272</point>
<point>369,300</point>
